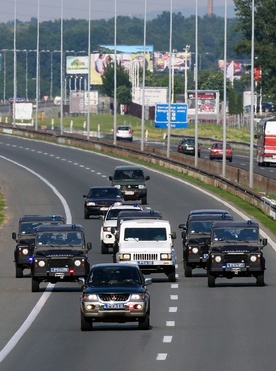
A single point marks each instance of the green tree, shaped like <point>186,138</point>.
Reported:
<point>264,38</point>
<point>122,80</point>
<point>124,95</point>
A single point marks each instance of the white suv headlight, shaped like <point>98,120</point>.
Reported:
<point>141,186</point>
<point>218,259</point>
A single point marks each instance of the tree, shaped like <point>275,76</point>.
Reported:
<point>122,80</point>
<point>264,39</point>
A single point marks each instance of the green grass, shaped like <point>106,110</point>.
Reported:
<point>2,209</point>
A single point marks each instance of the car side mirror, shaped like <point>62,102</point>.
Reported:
<point>89,246</point>
<point>148,281</point>
<point>147,177</point>
<point>264,241</point>
<point>182,226</point>
<point>173,234</point>
<point>81,281</point>
<point>110,177</point>
<point>13,235</point>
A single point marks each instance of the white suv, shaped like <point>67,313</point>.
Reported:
<point>110,220</point>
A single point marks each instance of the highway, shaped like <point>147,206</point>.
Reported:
<point>230,327</point>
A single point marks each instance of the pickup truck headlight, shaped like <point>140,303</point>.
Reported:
<point>41,263</point>
<point>25,251</point>
<point>92,297</point>
<point>117,186</point>
<point>195,250</point>
<point>106,229</point>
<point>138,297</point>
<point>118,203</point>
<point>141,186</point>
<point>77,263</point>
<point>253,258</point>
<point>90,204</point>
<point>166,256</point>
<point>218,259</point>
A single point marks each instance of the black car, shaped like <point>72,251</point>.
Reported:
<point>236,251</point>
<point>99,199</point>
<point>131,181</point>
<point>267,107</point>
<point>115,293</point>
<point>187,146</point>
<point>25,238</point>
<point>196,238</point>
<point>60,254</point>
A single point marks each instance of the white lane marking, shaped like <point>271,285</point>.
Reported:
<point>172,309</point>
<point>170,323</point>
<point>167,339</point>
<point>174,286</point>
<point>161,356</point>
<point>44,297</point>
<point>174,297</point>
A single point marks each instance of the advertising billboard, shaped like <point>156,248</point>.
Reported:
<point>179,61</point>
<point>76,65</point>
<point>207,100</point>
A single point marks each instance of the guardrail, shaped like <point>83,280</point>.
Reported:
<point>234,182</point>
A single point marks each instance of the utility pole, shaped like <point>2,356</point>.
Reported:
<point>186,51</point>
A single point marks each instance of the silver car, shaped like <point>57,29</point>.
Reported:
<point>115,293</point>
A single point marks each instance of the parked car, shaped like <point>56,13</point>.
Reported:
<point>99,199</point>
<point>124,133</point>
<point>267,107</point>
<point>187,146</point>
<point>216,151</point>
<point>115,293</point>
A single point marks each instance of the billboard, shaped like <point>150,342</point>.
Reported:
<point>76,65</point>
<point>152,95</point>
<point>179,61</point>
<point>179,115</point>
<point>79,101</point>
<point>207,101</point>
<point>126,55</point>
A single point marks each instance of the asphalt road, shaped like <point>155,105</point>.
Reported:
<point>231,327</point>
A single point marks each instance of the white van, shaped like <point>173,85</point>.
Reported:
<point>148,243</point>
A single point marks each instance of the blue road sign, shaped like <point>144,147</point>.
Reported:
<point>179,115</point>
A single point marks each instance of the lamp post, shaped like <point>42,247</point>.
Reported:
<point>186,51</point>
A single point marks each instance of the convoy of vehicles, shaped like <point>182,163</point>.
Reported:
<point>266,141</point>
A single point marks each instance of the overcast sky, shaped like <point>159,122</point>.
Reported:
<point>104,9</point>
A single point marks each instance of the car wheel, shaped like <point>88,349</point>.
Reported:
<point>211,158</point>
<point>18,271</point>
<point>171,277</point>
<point>260,280</point>
<point>230,159</point>
<point>198,155</point>
<point>130,139</point>
<point>211,280</point>
<point>35,285</point>
<point>86,214</point>
<point>188,271</point>
<point>144,322</point>
<point>104,249</point>
<point>144,200</point>
<point>86,323</point>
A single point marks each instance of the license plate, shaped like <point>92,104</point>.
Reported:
<point>129,193</point>
<point>114,306</point>
<point>235,265</point>
<point>59,270</point>
<point>145,262</point>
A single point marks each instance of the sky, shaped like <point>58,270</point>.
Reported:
<point>105,9</point>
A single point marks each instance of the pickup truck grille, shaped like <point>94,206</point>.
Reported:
<point>114,297</point>
<point>59,263</point>
<point>145,256</point>
<point>231,258</point>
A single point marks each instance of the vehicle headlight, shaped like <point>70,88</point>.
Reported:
<point>106,229</point>
<point>117,186</point>
<point>92,297</point>
<point>195,250</point>
<point>90,204</point>
<point>141,186</point>
<point>25,251</point>
<point>218,259</point>
<point>41,263</point>
<point>138,297</point>
<point>253,258</point>
<point>165,256</point>
<point>77,263</point>
<point>124,257</point>
<point>118,203</point>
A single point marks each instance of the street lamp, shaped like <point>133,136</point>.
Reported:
<point>186,51</point>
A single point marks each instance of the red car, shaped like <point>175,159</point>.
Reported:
<point>216,151</point>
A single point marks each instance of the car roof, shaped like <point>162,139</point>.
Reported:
<point>60,228</point>
<point>42,218</point>
<point>140,214</point>
<point>103,187</point>
<point>127,167</point>
<point>208,211</point>
<point>236,224</point>
<point>204,217</point>
<point>116,265</point>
